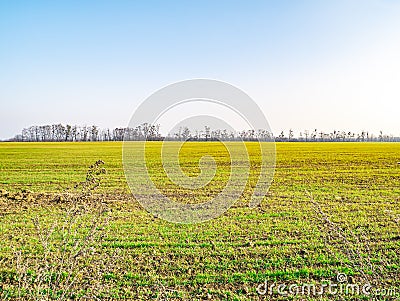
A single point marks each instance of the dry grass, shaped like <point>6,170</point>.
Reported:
<point>67,263</point>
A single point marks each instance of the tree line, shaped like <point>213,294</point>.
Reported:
<point>146,131</point>
<point>335,136</point>
<point>72,133</point>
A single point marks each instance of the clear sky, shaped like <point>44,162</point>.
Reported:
<point>308,64</point>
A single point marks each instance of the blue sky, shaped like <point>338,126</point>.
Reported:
<point>308,64</point>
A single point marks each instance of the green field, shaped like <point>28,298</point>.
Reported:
<point>332,208</point>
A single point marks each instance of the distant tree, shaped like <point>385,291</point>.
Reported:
<point>380,137</point>
<point>291,135</point>
<point>314,135</point>
<point>207,133</point>
<point>306,134</point>
<point>94,133</point>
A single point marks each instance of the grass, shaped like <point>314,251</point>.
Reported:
<point>332,207</point>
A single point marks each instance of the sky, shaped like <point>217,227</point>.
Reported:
<point>329,65</point>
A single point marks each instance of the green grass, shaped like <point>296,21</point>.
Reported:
<point>356,184</point>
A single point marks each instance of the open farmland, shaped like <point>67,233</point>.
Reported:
<point>332,208</point>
